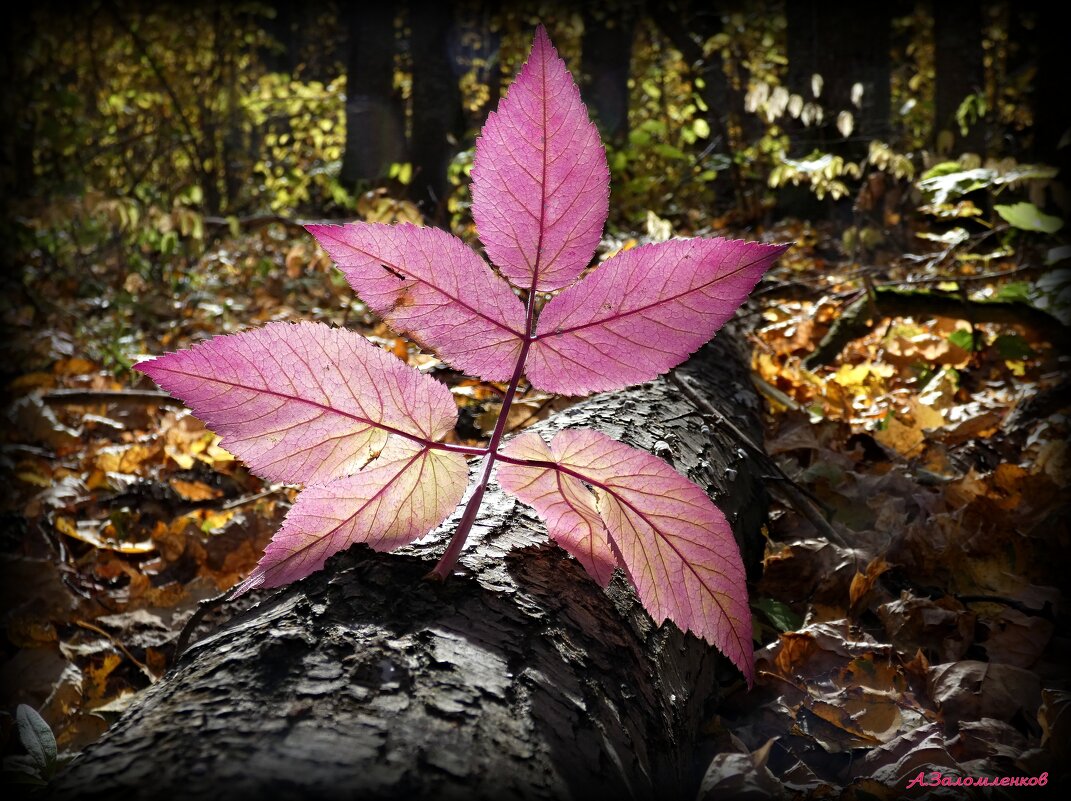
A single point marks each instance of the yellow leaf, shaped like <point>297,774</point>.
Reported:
<point>901,437</point>
<point>852,376</point>
<point>87,532</point>
<point>194,490</point>
<point>32,381</point>
<point>74,366</point>
<point>183,460</point>
<point>863,583</point>
<point>216,520</point>
<point>925,416</point>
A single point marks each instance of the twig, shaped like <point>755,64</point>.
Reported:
<point>1022,270</point>
<point>1045,611</point>
<point>535,413</point>
<point>796,495</point>
<point>191,144</point>
<point>242,501</point>
<point>260,220</point>
<point>773,393</point>
<point>75,397</point>
<point>203,608</point>
<point>115,641</point>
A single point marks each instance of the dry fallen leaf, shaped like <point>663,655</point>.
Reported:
<point>971,690</point>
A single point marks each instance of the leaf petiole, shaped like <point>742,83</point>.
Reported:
<point>472,508</point>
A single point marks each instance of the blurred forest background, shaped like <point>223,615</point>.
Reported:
<point>159,159</point>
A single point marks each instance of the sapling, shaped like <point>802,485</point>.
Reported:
<point>309,404</point>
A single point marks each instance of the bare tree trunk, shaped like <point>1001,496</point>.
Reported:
<point>375,132</point>
<point>281,25</point>
<point>606,57</point>
<point>517,678</point>
<point>957,31</point>
<point>846,44</point>
<point>1052,119</point>
<point>686,26</point>
<point>437,114</point>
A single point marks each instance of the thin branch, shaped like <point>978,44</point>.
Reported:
<point>191,144</point>
<point>78,397</point>
<point>115,641</point>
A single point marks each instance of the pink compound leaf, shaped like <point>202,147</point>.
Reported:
<point>563,501</point>
<point>540,182</point>
<point>393,501</point>
<point>311,404</point>
<point>674,544</point>
<point>304,403</point>
<point>430,286</point>
<point>642,313</point>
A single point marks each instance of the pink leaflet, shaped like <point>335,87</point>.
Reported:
<point>449,300</point>
<point>642,313</point>
<point>304,403</point>
<point>394,500</point>
<point>566,505</point>
<point>540,183</point>
<point>675,545</point>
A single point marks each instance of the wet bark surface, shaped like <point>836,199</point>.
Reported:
<point>517,678</point>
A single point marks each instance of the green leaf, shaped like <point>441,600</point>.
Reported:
<point>1013,347</point>
<point>669,152</point>
<point>944,168</point>
<point>23,770</point>
<point>1015,291</point>
<point>1028,217</point>
<point>780,615</point>
<point>1058,255</point>
<point>638,138</point>
<point>942,188</point>
<point>962,338</point>
<point>37,738</point>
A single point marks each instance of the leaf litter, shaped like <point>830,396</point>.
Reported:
<point>937,640</point>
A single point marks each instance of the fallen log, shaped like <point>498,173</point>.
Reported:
<point>866,313</point>
<point>517,678</point>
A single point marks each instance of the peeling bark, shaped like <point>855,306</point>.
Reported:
<point>517,678</point>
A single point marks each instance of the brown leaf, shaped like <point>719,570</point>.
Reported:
<point>194,490</point>
<point>36,422</point>
<point>743,776</point>
<point>943,627</point>
<point>970,690</point>
<point>863,583</point>
<point>1054,716</point>
<point>74,366</point>
<point>30,676</point>
<point>126,458</point>
<point>987,739</point>
<point>900,759</point>
<point>1015,638</point>
<point>93,533</point>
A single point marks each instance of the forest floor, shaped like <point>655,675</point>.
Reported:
<point>914,617</point>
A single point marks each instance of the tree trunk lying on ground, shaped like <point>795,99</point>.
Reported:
<point>517,678</point>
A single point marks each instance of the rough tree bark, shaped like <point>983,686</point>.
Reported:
<point>517,678</point>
